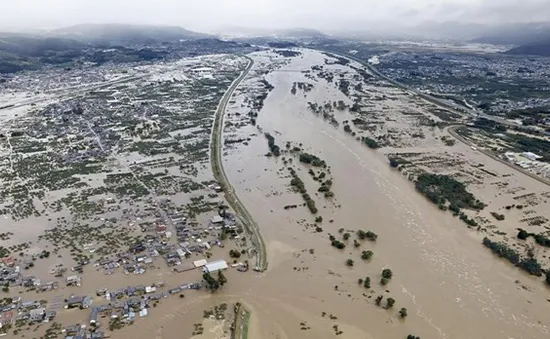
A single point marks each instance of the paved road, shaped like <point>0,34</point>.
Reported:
<point>430,98</point>
<point>70,92</point>
<point>452,129</point>
<point>216,162</point>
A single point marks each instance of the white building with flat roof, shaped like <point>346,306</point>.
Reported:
<point>214,266</point>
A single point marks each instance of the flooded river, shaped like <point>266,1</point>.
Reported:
<point>450,284</point>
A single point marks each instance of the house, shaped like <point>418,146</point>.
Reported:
<point>29,305</point>
<point>216,220</point>
<point>37,315</point>
<point>50,315</point>
<point>160,229</point>
<point>73,280</point>
<point>8,261</point>
<point>92,319</point>
<point>214,266</point>
<point>200,263</point>
<point>78,301</point>
<point>180,253</point>
<point>184,267</point>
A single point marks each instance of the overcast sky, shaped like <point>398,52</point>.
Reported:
<point>328,14</point>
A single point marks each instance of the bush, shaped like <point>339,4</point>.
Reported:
<point>390,302</point>
<point>497,216</point>
<point>234,254</point>
<point>366,283</point>
<point>411,336</point>
<point>367,255</point>
<point>403,312</point>
<point>384,281</point>
<point>349,262</point>
<point>387,273</point>
<point>339,245</point>
<point>346,236</point>
<point>371,143</point>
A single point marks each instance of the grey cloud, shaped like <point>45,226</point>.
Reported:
<point>329,14</point>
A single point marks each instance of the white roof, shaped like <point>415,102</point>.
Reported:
<point>200,263</point>
<point>215,266</point>
<point>217,219</point>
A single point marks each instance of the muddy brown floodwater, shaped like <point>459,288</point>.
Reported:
<point>451,285</point>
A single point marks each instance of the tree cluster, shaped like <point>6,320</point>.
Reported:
<point>367,235</point>
<point>273,148</point>
<point>530,265</point>
<point>441,189</point>
<point>307,158</point>
<point>539,238</point>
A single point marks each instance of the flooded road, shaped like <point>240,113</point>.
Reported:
<point>451,286</point>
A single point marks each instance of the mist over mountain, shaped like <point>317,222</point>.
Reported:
<point>120,34</point>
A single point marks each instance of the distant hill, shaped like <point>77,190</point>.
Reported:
<point>515,34</point>
<point>119,34</point>
<point>541,48</point>
<point>299,33</point>
<point>289,33</point>
<point>19,52</point>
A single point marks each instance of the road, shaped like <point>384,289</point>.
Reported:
<point>452,132</point>
<point>216,161</point>
<point>70,92</point>
<point>451,129</point>
<point>436,101</point>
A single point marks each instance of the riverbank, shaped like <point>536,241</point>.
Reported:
<point>216,162</point>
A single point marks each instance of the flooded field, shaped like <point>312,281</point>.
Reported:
<point>442,275</point>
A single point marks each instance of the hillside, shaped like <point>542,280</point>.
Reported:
<point>515,34</point>
<point>538,48</point>
<point>119,34</point>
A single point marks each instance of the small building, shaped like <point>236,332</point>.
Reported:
<point>180,253</point>
<point>160,229</point>
<point>531,156</point>
<point>200,263</point>
<point>73,280</point>
<point>184,267</point>
<point>216,220</point>
<point>214,266</point>
<point>37,315</point>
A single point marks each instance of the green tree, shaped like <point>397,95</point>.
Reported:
<point>384,281</point>
<point>366,255</point>
<point>378,300</point>
<point>346,236</point>
<point>387,273</point>
<point>222,280</point>
<point>403,312</point>
<point>367,282</point>
<point>349,262</point>
<point>390,302</point>
<point>211,283</point>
